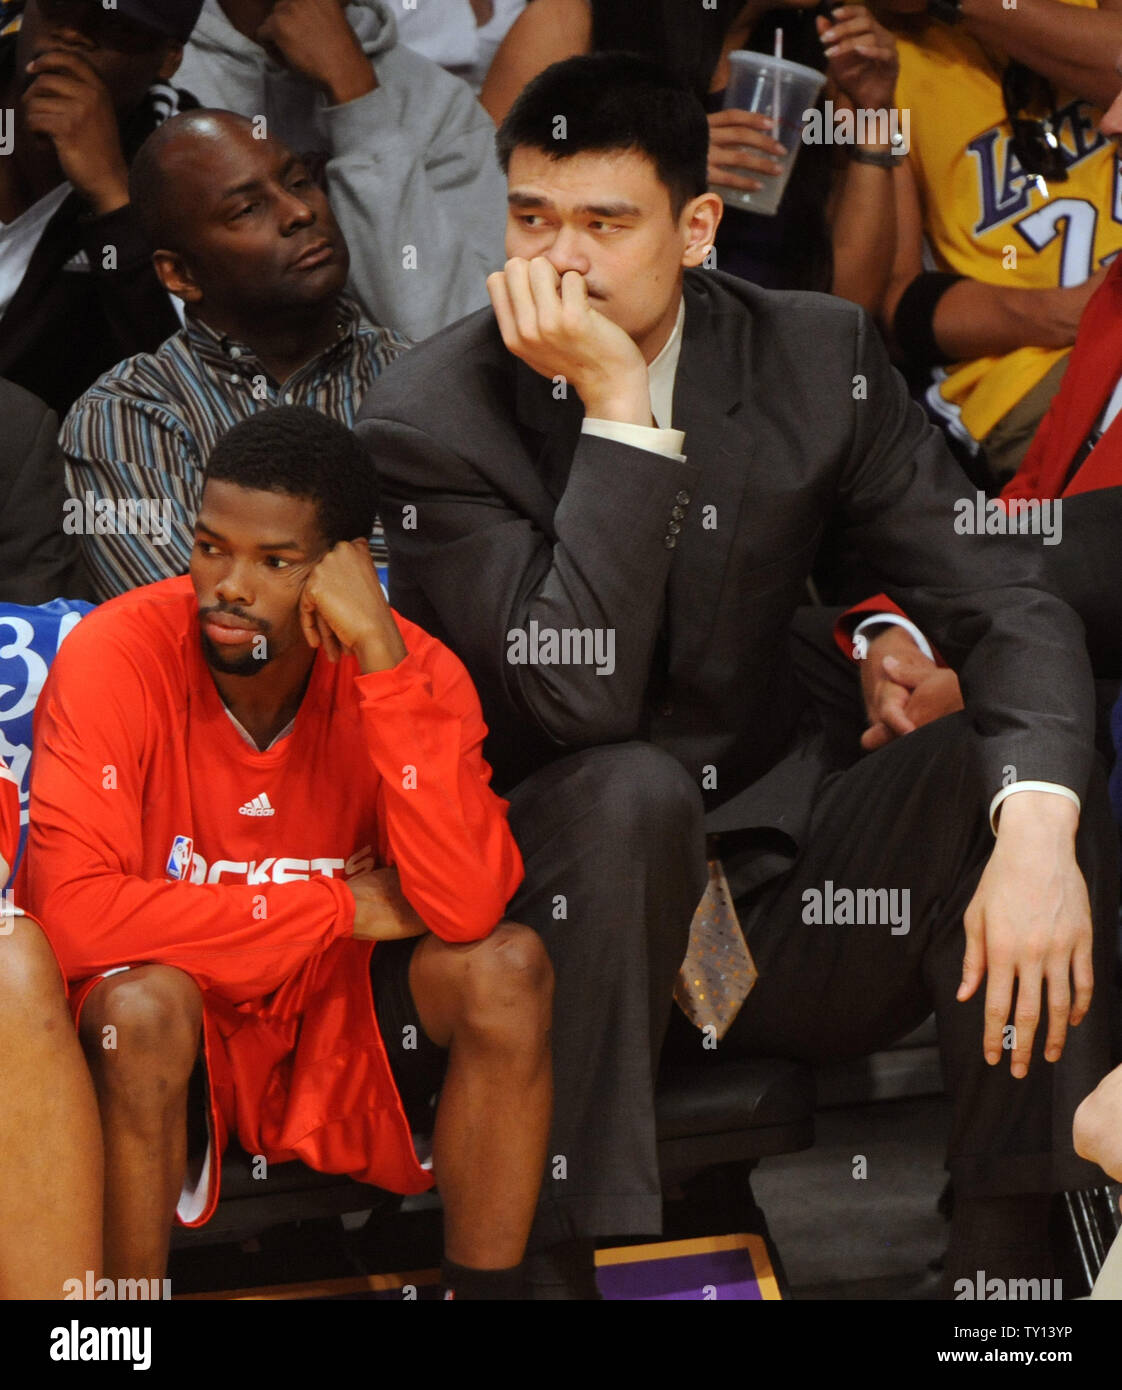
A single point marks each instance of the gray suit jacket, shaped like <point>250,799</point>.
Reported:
<point>499,513</point>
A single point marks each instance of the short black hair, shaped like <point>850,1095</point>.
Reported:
<point>297,451</point>
<point>600,102</point>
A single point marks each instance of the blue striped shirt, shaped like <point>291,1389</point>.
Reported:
<point>137,442</point>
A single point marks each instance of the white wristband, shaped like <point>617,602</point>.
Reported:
<point>1053,787</point>
<point>895,620</point>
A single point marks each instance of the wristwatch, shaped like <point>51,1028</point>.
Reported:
<point>884,159</point>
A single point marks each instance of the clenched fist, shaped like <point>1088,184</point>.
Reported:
<point>315,39</point>
<point>382,911</point>
<point>342,608</point>
<point>547,320</point>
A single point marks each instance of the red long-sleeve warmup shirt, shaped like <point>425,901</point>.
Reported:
<point>159,835</point>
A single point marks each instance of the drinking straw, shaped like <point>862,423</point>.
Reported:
<point>775,88</point>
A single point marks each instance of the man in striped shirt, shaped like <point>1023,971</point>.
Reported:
<point>246,239</point>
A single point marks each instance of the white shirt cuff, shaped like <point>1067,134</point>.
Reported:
<point>667,442</point>
<point>1053,787</point>
<point>895,620</point>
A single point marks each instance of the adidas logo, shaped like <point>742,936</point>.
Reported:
<point>259,806</point>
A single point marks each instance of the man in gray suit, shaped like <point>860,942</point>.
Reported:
<point>606,495</point>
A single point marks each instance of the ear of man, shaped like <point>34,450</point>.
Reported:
<point>700,219</point>
<point>175,277</point>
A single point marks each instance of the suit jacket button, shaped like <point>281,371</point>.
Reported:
<point>670,542</point>
<point>683,499</point>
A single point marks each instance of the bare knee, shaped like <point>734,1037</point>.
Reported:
<point>509,983</point>
<point>31,989</point>
<point>144,1023</point>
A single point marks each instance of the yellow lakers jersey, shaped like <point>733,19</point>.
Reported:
<point>983,218</point>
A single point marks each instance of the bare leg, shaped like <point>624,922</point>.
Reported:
<point>141,1030</point>
<point>50,1138</point>
<point>489,1002</point>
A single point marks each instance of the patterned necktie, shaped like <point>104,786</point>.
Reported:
<point>718,971</point>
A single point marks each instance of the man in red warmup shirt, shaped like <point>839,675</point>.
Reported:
<point>50,1139</point>
<point>242,779</point>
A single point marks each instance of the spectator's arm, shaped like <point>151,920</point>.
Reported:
<point>978,320</point>
<point>861,75</point>
<point>863,232</point>
<point>1075,48</point>
<point>544,33</point>
<point>973,319</point>
<point>422,213</point>
<point>907,262</point>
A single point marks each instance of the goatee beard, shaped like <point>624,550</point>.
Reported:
<point>247,665</point>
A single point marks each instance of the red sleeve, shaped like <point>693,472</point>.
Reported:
<point>879,603</point>
<point>1026,481</point>
<point>443,827</point>
<point>84,874</point>
<point>9,819</point>
<point>1087,382</point>
<point>843,628</point>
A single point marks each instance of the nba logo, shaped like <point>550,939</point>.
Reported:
<point>179,860</point>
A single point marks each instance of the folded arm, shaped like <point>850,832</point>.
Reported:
<point>971,318</point>
<point>1076,47</point>
<point>440,824</point>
